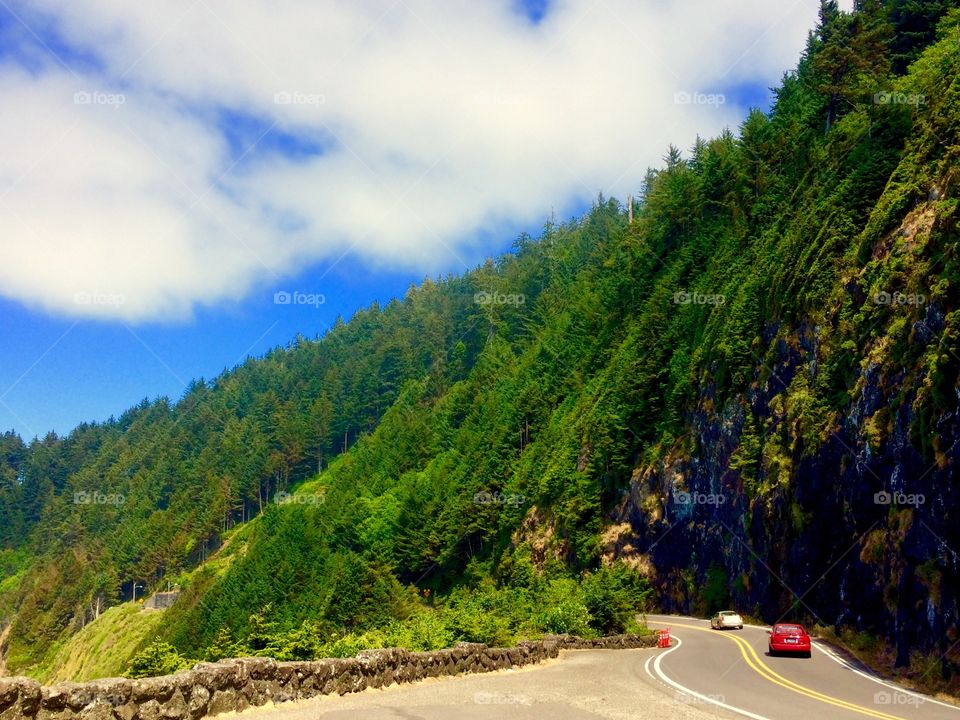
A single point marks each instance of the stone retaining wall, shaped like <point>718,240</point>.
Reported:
<point>232,685</point>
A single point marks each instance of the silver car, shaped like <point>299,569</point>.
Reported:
<point>726,619</point>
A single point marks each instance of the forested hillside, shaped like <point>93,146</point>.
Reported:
<point>705,402</point>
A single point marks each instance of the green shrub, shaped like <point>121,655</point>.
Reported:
<point>613,597</point>
<point>564,610</point>
<point>302,643</point>
<point>427,630</point>
<point>158,658</point>
<point>349,645</point>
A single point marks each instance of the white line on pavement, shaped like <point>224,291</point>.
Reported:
<point>688,691</point>
<point>841,661</point>
<point>837,659</point>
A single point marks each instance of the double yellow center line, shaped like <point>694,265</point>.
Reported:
<point>761,668</point>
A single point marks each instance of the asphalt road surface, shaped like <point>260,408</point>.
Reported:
<point>731,671</point>
<point>705,674</point>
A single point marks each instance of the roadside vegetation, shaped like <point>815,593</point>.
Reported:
<point>606,602</point>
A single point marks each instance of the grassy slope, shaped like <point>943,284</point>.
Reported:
<point>104,647</point>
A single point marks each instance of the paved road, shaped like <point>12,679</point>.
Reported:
<point>732,669</point>
<point>705,675</point>
<point>580,685</point>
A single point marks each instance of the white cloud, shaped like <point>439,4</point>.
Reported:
<point>438,120</point>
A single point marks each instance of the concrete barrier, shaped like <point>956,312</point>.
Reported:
<point>234,685</point>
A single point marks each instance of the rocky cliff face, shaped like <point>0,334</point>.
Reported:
<point>855,527</point>
<point>815,477</point>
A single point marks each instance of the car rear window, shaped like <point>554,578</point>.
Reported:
<point>789,629</point>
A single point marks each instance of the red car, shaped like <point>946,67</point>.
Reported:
<point>789,638</point>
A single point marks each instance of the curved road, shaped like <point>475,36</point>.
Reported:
<point>705,674</point>
<point>731,672</point>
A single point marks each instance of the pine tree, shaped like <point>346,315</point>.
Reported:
<point>222,646</point>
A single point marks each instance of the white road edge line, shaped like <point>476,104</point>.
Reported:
<point>840,661</point>
<point>837,659</point>
<point>688,691</point>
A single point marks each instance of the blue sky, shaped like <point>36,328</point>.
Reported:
<point>56,372</point>
<point>191,172</point>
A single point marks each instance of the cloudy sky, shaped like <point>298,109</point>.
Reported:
<point>167,167</point>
